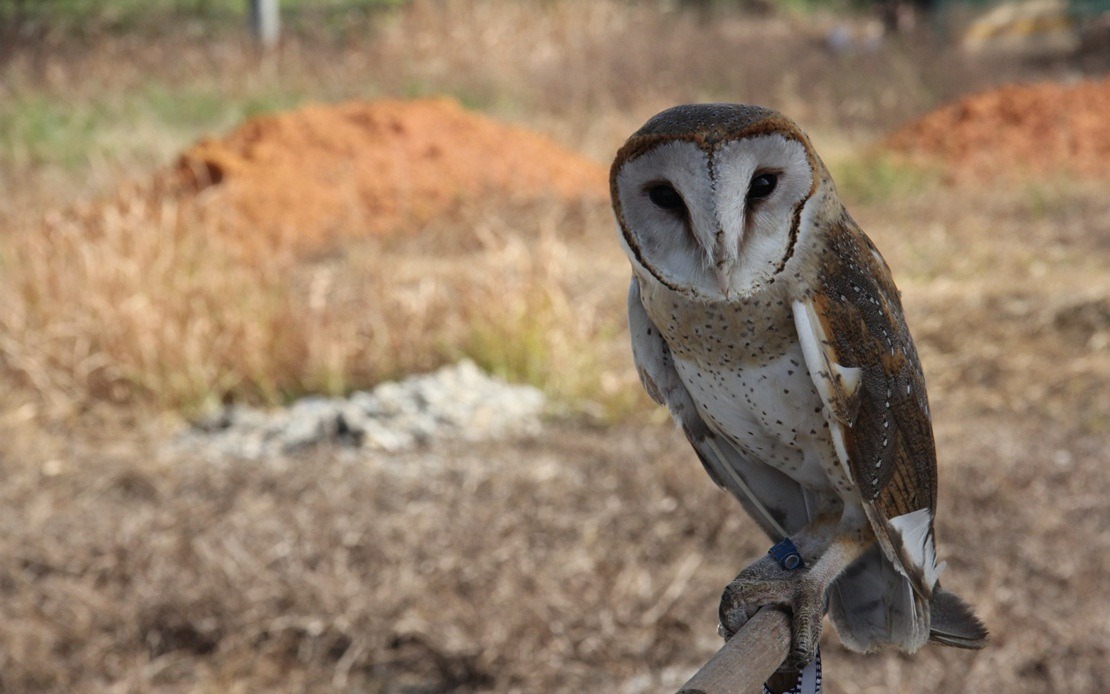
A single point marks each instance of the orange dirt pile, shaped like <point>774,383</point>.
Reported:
<point>325,173</point>
<point>1016,131</point>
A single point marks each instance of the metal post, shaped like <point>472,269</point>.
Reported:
<point>265,21</point>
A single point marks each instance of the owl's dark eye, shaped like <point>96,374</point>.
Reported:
<point>762,186</point>
<point>665,197</point>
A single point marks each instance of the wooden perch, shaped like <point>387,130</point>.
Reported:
<point>747,660</point>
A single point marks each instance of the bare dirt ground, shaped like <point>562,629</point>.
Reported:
<point>309,176</point>
<point>1020,130</point>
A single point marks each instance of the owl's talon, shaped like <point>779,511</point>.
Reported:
<point>762,583</point>
<point>805,630</point>
<point>765,583</point>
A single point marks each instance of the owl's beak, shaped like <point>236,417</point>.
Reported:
<point>724,257</point>
<point>724,279</point>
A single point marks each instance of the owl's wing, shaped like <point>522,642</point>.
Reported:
<point>863,362</point>
<point>775,501</point>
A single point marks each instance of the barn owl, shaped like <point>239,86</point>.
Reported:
<point>770,326</point>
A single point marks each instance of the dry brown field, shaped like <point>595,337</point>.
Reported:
<point>589,557</point>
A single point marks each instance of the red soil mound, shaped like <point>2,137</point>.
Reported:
<point>1017,130</point>
<point>321,174</point>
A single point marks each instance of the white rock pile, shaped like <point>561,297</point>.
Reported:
<point>458,401</point>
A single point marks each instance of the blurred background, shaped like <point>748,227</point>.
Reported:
<point>314,374</point>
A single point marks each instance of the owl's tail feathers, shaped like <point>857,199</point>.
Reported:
<point>953,623</point>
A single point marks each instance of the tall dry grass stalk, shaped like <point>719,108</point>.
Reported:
<point>550,312</point>
<point>140,301</point>
<point>132,299</point>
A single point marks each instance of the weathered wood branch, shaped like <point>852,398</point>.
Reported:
<point>748,659</point>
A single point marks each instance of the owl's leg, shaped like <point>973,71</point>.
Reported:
<point>827,547</point>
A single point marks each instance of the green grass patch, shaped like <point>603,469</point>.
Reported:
<point>538,343</point>
<point>38,129</point>
<point>809,7</point>
<point>209,108</point>
<point>878,177</point>
<point>45,129</point>
<point>124,14</point>
<point>515,347</point>
<point>188,108</point>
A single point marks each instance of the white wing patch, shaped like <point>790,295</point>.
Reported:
<point>837,434</point>
<point>837,385</point>
<point>849,377</point>
<point>912,533</point>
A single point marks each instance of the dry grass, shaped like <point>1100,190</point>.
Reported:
<point>112,307</point>
<point>588,559</point>
<point>584,560</point>
<point>454,569</point>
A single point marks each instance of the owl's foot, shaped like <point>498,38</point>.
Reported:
<point>767,583</point>
<point>799,587</point>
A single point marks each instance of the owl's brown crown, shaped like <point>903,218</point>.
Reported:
<point>709,125</point>
<point>705,118</point>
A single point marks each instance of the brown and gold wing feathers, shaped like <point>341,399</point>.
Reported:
<point>862,359</point>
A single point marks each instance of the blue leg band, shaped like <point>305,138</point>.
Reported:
<point>787,555</point>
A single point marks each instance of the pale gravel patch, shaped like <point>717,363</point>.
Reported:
<point>457,402</point>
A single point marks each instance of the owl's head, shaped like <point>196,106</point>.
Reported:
<point>710,198</point>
